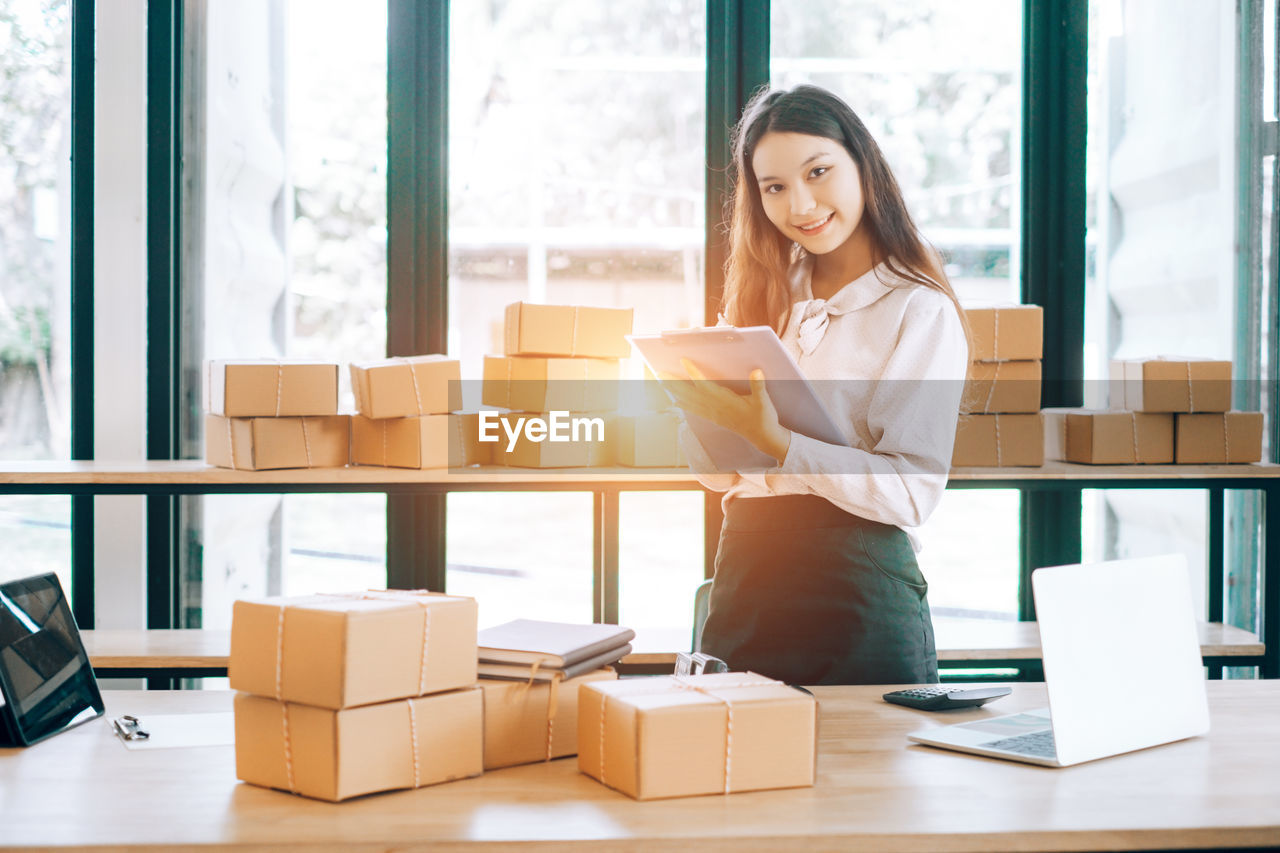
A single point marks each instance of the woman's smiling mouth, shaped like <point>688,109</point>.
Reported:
<point>815,227</point>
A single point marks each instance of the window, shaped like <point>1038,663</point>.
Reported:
<point>576,138</point>
<point>35,286</point>
<point>1161,213</point>
<point>290,210</point>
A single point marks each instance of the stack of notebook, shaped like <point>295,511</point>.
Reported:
<point>527,648</point>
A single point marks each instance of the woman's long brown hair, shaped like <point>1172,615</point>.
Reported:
<point>756,289</point>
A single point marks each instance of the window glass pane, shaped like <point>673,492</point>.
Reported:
<point>576,137</point>
<point>972,576</point>
<point>290,260</point>
<point>35,282</point>
<point>660,566</point>
<point>522,555</point>
<point>576,160</point>
<point>937,83</point>
<point>1161,219</point>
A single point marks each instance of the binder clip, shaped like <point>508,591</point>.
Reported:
<point>129,727</point>
<point>698,663</point>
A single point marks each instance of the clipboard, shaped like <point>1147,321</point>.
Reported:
<point>727,355</point>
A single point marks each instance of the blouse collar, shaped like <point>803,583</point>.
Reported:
<point>812,316</point>
<point>859,293</point>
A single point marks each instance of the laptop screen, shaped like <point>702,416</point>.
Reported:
<point>46,680</point>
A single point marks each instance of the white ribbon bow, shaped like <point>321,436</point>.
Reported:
<point>813,324</point>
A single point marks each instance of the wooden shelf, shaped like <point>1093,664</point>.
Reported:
<point>197,473</point>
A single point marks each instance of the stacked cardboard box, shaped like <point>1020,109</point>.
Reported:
<point>344,695</point>
<point>680,736</point>
<point>408,415</point>
<point>263,414</point>
<point>1100,437</point>
<point>556,359</point>
<point>1179,410</point>
<point>650,438</point>
<point>1000,423</point>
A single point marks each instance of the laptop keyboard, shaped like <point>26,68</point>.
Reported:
<point>1037,744</point>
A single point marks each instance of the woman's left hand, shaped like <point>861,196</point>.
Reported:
<point>750,415</point>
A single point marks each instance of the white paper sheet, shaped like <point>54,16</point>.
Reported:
<point>184,730</point>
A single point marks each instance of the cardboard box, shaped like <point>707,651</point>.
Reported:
<point>407,387</point>
<point>1218,439</point>
<point>1002,386</point>
<point>589,447</point>
<point>259,444</point>
<point>261,388</point>
<point>670,736</point>
<point>536,384</point>
<point>999,441</point>
<point>1108,438</point>
<point>572,330</point>
<point>1171,385</point>
<point>1006,333</point>
<point>338,754</point>
<point>431,441</point>
<point>525,723</point>
<point>647,441</point>
<point>339,651</point>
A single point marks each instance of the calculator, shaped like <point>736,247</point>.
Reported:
<point>944,698</point>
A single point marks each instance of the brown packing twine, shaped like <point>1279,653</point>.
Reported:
<point>384,441</point>
<point>417,394</point>
<point>991,392</point>
<point>506,394</point>
<point>1133,420</point>
<point>604,700</point>
<point>288,747</point>
<point>553,699</point>
<point>280,654</point>
<point>553,704</point>
<point>279,386</point>
<point>422,669</point>
<point>231,439</point>
<point>306,442</point>
<point>999,456</point>
<point>573,343</point>
<point>1226,441</point>
<point>462,442</point>
<point>1191,397</point>
<point>284,706</point>
<point>413,735</point>
<point>995,334</point>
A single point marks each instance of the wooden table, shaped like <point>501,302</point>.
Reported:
<point>874,792</point>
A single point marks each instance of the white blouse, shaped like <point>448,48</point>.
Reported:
<point>866,351</point>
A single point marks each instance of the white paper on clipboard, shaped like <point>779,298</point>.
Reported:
<point>727,355</point>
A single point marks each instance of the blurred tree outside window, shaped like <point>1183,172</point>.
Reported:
<point>35,125</point>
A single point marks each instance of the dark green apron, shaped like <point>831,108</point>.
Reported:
<point>809,594</point>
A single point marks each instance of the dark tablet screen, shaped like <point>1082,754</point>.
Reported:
<point>45,676</point>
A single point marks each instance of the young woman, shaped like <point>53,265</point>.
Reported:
<point>816,577</point>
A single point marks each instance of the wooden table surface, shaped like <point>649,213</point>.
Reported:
<point>874,792</point>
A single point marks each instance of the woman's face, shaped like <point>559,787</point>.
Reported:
<point>810,189</point>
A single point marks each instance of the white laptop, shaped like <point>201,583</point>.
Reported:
<point>1122,668</point>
